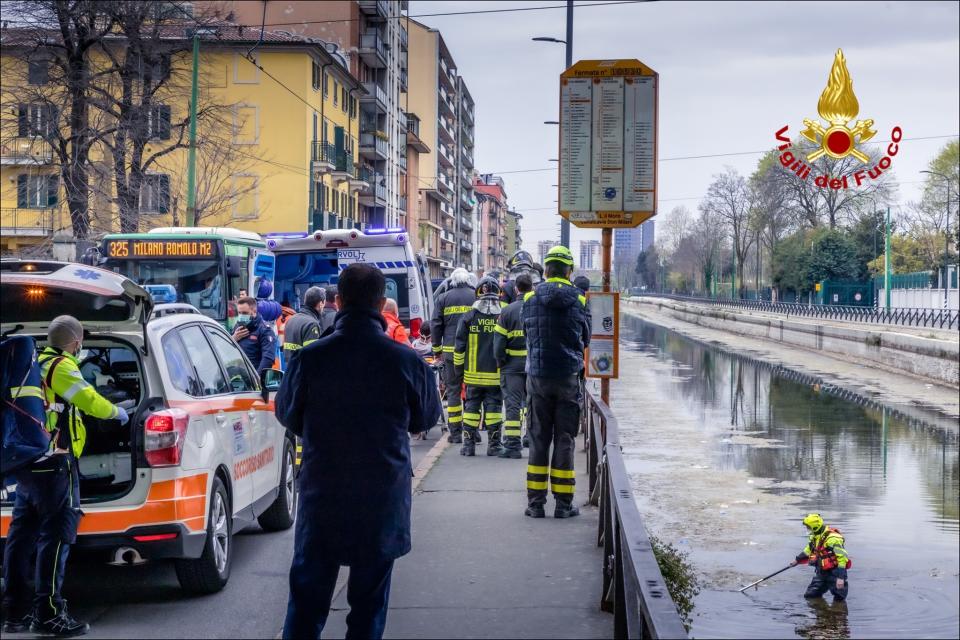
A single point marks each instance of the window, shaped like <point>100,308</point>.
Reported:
<point>157,66</point>
<point>343,99</point>
<point>246,124</point>
<point>247,196</point>
<point>315,76</point>
<point>36,120</point>
<point>37,191</point>
<point>182,374</point>
<point>38,72</point>
<point>155,194</point>
<point>325,84</point>
<point>336,92</point>
<point>203,360</point>
<point>233,360</point>
<point>158,122</point>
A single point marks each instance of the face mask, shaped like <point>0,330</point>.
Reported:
<point>243,318</point>
<point>79,349</point>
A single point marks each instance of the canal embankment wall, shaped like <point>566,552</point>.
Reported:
<point>927,354</point>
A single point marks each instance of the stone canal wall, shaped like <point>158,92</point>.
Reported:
<point>929,354</point>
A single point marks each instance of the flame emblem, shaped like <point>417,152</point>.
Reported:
<point>838,105</point>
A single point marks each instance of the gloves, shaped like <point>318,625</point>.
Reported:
<point>122,415</point>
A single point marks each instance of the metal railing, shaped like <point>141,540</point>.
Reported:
<point>927,318</point>
<point>634,590</point>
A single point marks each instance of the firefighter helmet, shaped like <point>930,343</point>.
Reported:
<point>559,253</point>
<point>813,522</point>
<point>488,288</point>
<point>520,258</point>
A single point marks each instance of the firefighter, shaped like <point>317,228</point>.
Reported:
<point>304,327</point>
<point>520,262</point>
<point>473,357</point>
<point>46,512</point>
<point>455,301</point>
<point>510,349</point>
<point>557,329</point>
<point>825,552</point>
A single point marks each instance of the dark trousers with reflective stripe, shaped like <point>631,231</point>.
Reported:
<point>514,386</point>
<point>554,419</point>
<point>46,513</point>
<point>453,382</point>
<point>490,399</point>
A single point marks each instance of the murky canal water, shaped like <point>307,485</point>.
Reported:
<point>727,454</point>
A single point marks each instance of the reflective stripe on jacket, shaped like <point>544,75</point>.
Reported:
<point>509,343</point>
<point>450,307</point>
<point>473,352</point>
<point>67,395</point>
<point>826,550</point>
<point>300,330</point>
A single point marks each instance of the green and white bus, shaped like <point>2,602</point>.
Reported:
<point>207,267</point>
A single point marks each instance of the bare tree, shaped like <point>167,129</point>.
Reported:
<point>729,200</point>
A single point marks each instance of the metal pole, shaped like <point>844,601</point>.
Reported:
<point>192,158</point>
<point>946,253</point>
<point>886,262</point>
<point>564,223</point>
<point>606,246</point>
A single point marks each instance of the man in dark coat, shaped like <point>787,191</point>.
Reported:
<point>353,396</point>
<point>254,336</point>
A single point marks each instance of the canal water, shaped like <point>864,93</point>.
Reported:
<point>728,453</point>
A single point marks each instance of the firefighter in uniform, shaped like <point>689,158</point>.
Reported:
<point>557,330</point>
<point>46,512</point>
<point>825,552</point>
<point>510,349</point>
<point>455,301</point>
<point>520,262</point>
<point>473,356</point>
<point>304,327</point>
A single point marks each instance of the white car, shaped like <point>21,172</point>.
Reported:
<point>203,454</point>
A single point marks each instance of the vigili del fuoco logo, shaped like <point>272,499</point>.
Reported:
<point>838,106</point>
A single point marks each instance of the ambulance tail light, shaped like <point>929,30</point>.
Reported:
<point>415,324</point>
<point>165,432</point>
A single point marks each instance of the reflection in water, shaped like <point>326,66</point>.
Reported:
<point>888,476</point>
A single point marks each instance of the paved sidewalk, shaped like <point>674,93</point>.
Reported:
<point>481,569</point>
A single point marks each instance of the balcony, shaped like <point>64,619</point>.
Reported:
<point>467,203</point>
<point>467,157</point>
<point>446,154</point>
<point>373,146</point>
<point>376,97</point>
<point>403,39</point>
<point>403,80</point>
<point>361,179</point>
<point>448,76</point>
<point>344,167</point>
<point>25,151</point>
<point>322,156</point>
<point>466,136</point>
<point>29,223</point>
<point>446,184</point>
<point>402,161</point>
<point>447,255</point>
<point>376,192</point>
<point>375,9</point>
<point>466,223</point>
<point>447,236</point>
<point>466,245</point>
<point>372,50</point>
<point>447,210</point>
<point>402,203</point>
<point>465,180</point>
<point>446,104</point>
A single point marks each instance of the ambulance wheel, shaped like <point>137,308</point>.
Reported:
<point>280,514</point>
<point>209,573</point>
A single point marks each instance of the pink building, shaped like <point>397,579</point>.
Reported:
<point>492,205</point>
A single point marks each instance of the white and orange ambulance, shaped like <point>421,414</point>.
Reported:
<point>203,454</point>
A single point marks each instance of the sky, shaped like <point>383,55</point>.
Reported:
<point>731,75</point>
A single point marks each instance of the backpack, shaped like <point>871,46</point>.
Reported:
<point>25,436</point>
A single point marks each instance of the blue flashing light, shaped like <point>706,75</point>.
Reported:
<point>379,232</point>
<point>287,234</point>
<point>161,293</point>
<point>374,232</point>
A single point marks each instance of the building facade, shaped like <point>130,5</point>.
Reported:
<point>543,247</point>
<point>514,235</point>
<point>589,255</point>
<point>627,245</point>
<point>491,197</point>
<point>279,158</point>
<point>373,39</point>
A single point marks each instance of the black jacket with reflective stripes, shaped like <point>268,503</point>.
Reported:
<point>473,352</point>
<point>556,324</point>
<point>509,342</point>
<point>450,306</point>
<point>300,330</point>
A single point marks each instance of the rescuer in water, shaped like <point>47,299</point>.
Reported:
<point>825,552</point>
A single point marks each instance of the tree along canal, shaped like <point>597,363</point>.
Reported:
<point>728,453</point>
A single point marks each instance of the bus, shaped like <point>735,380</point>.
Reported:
<point>307,259</point>
<point>207,267</point>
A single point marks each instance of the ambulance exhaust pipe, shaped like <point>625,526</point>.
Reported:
<point>126,556</point>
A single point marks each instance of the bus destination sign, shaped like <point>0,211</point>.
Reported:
<point>133,249</point>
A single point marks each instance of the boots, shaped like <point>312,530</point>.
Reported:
<point>494,447</point>
<point>526,441</point>
<point>456,435</point>
<point>511,447</point>
<point>469,441</point>
<point>63,624</point>
<point>566,510</point>
<point>535,511</point>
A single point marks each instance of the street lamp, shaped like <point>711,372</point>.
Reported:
<point>551,122</point>
<point>568,45</point>
<point>946,239</point>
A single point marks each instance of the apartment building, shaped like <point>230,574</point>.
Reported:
<point>446,109</point>
<point>424,221</point>
<point>589,255</point>
<point>543,247</point>
<point>284,160</point>
<point>373,38</point>
<point>491,197</point>
<point>514,236</point>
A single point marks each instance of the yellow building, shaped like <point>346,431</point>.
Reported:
<point>277,146</point>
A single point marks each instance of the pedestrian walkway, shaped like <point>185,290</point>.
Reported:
<point>481,569</point>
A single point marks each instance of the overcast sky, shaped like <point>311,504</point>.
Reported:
<point>731,74</point>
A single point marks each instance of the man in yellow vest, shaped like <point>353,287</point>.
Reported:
<point>46,512</point>
<point>825,552</point>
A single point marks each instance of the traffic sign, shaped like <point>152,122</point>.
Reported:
<point>608,143</point>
